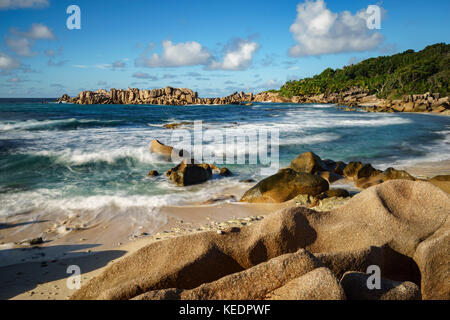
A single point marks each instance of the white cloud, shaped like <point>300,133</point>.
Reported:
<point>104,66</point>
<point>7,62</point>
<point>22,4</point>
<point>143,75</point>
<point>118,64</point>
<point>50,53</point>
<point>38,31</point>
<point>20,46</point>
<point>319,31</point>
<point>238,57</point>
<point>176,55</point>
<point>21,43</point>
<point>52,63</point>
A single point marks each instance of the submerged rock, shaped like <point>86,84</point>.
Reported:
<point>225,172</point>
<point>153,173</point>
<point>186,174</point>
<point>177,125</point>
<point>285,185</point>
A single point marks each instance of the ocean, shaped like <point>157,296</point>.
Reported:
<point>64,159</point>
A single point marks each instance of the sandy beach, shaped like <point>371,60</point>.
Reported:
<point>39,272</point>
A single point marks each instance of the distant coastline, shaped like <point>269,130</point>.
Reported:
<point>352,100</point>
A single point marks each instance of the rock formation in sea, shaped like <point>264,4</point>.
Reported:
<point>351,100</point>
<point>164,96</point>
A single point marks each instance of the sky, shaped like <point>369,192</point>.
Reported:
<point>213,47</point>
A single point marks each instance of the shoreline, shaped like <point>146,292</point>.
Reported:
<point>39,272</point>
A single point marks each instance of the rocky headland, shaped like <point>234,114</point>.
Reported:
<point>164,96</point>
<point>355,99</point>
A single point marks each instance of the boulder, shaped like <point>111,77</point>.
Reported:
<point>153,173</point>
<point>308,162</point>
<point>187,174</point>
<point>356,288</point>
<point>339,193</point>
<point>357,260</point>
<point>336,167</point>
<point>442,182</point>
<point>177,125</point>
<point>220,198</point>
<point>161,149</point>
<point>319,284</point>
<point>377,177</point>
<point>167,152</point>
<point>399,225</point>
<point>393,174</point>
<point>329,176</point>
<point>432,257</point>
<point>285,185</point>
<point>252,284</point>
<point>352,169</point>
<point>168,91</point>
<point>225,172</point>
<point>367,171</point>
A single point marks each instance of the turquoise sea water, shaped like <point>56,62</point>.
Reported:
<point>67,159</point>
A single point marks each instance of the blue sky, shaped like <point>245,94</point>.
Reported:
<point>213,47</point>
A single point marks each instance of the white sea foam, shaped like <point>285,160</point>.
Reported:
<point>310,139</point>
<point>55,202</point>
<point>78,157</point>
<point>433,152</point>
<point>29,124</point>
<point>42,124</point>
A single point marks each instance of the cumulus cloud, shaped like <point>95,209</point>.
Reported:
<point>143,75</point>
<point>118,64</point>
<point>21,43</point>
<point>238,56</point>
<point>23,4</point>
<point>52,63</point>
<point>7,62</point>
<point>319,31</point>
<point>169,76</point>
<point>53,55</point>
<point>38,31</point>
<point>57,85</point>
<point>176,55</point>
<point>193,74</point>
<point>50,53</point>
<point>20,46</point>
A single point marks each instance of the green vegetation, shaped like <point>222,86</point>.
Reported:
<point>388,77</point>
